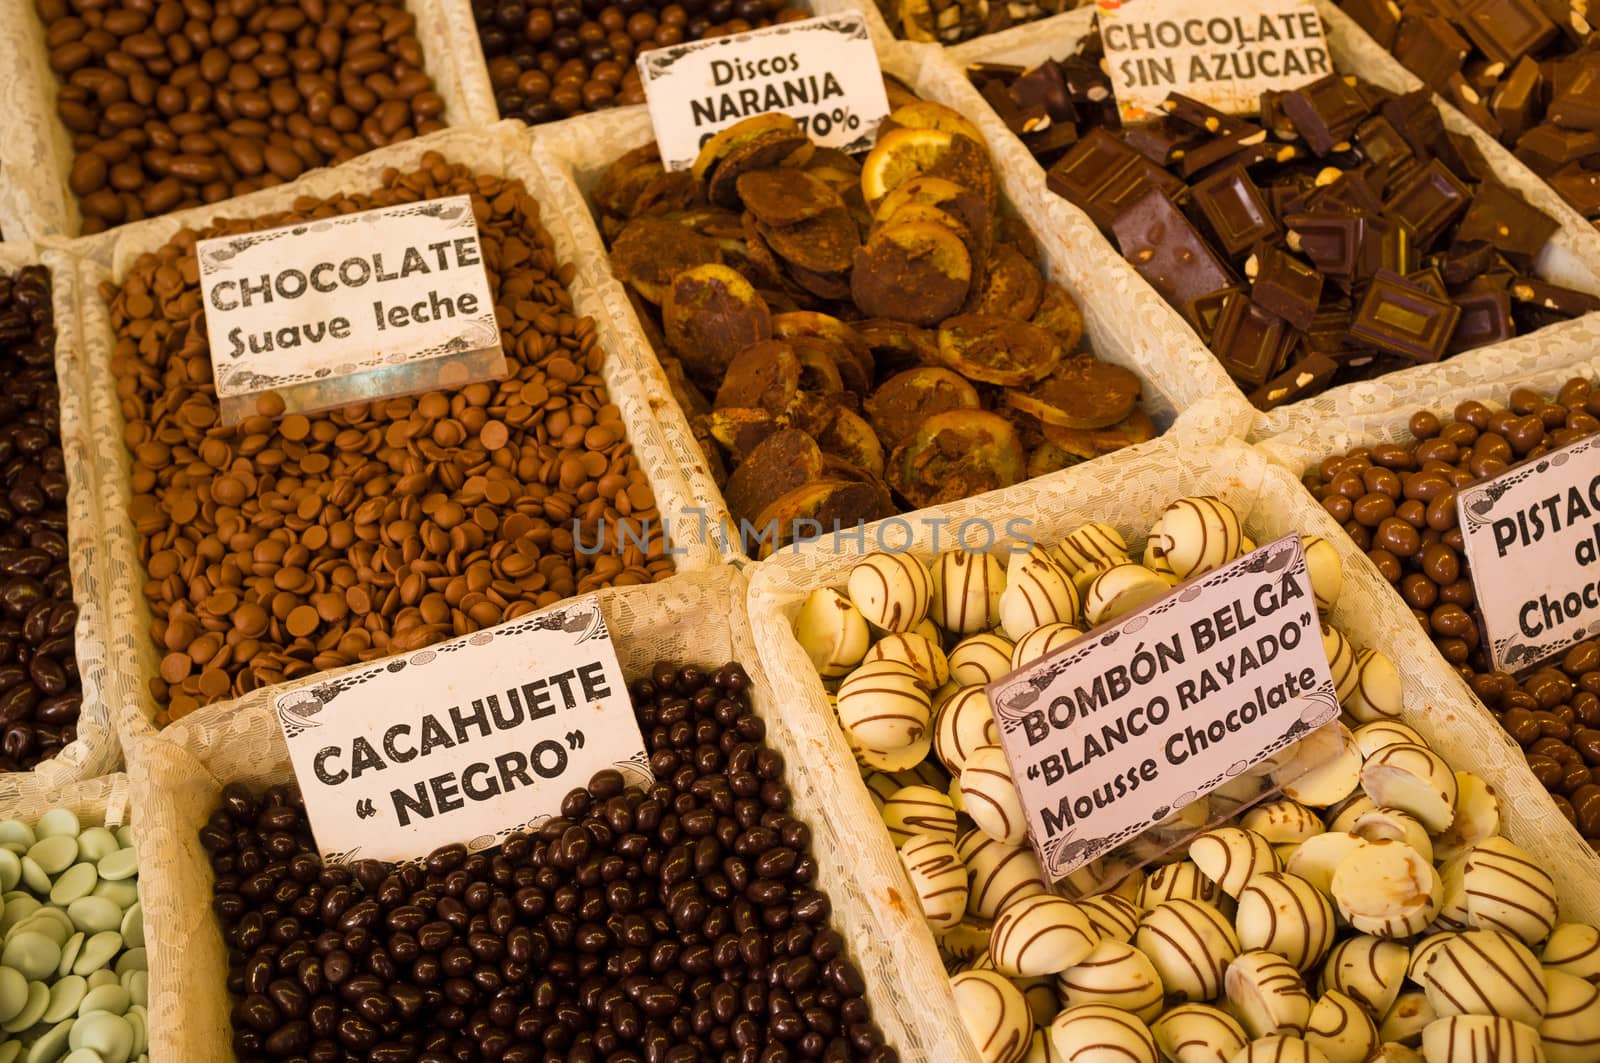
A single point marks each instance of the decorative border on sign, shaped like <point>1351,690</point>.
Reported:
<point>851,25</point>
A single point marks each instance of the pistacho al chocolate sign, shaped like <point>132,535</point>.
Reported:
<point>1112,734</point>
<point>1222,56</point>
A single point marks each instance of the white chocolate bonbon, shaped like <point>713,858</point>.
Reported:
<point>1325,568</point>
<point>1040,934</point>
<point>1198,1033</point>
<point>1480,1039</point>
<point>1285,914</point>
<point>1324,767</point>
<point>1341,662</point>
<point>1484,972</point>
<point>1387,888</point>
<point>966,592</point>
<point>1232,856</point>
<point>1037,592</point>
<point>1477,817</point>
<point>1043,641</point>
<point>1378,692</point>
<point>1406,1020</point>
<point>1575,949</point>
<point>1088,550</point>
<point>918,652</point>
<point>1368,970</point>
<point>1279,1049</point>
<point>1378,734</point>
<point>1182,880</point>
<point>997,874</point>
<point>893,591</point>
<point>964,722</point>
<point>1097,1033</point>
<point>980,659</point>
<point>1415,779</point>
<point>1267,995</point>
<point>1198,534</point>
<point>995,1015</point>
<point>1283,821</point>
<point>990,798</point>
<point>940,882</point>
<point>1120,590</point>
<point>1341,1029</point>
<point>1114,918</point>
<point>919,809</point>
<point>1117,974</point>
<point>1506,890</point>
<point>1190,944</point>
<point>1391,824</point>
<point>832,632</point>
<point>1570,1031</point>
<point>882,706</point>
<point>1316,859</point>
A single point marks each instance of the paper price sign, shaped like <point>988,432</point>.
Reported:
<point>465,741</point>
<point>1114,733</point>
<point>339,310</point>
<point>1532,536</point>
<point>822,72</point>
<point>1222,57</point>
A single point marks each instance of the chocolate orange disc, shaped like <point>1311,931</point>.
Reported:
<point>830,505</point>
<point>898,344</point>
<point>620,183</point>
<point>852,439</point>
<point>740,429</point>
<point>760,153</point>
<point>1091,443</point>
<point>1058,312</point>
<point>926,114</point>
<point>1047,458</point>
<point>650,252</point>
<point>827,327</point>
<point>786,459</point>
<point>764,375</point>
<point>906,399</point>
<point>718,147</point>
<point>819,365</point>
<point>956,454</point>
<point>900,155</point>
<point>823,243</point>
<point>1012,286</point>
<point>785,196</point>
<point>998,350</point>
<point>917,272</point>
<point>1083,392</point>
<point>711,313</point>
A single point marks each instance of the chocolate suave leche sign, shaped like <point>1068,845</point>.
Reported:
<point>1224,57</point>
<point>361,306</point>
<point>1114,733</point>
<point>465,741</point>
<point>1532,536</point>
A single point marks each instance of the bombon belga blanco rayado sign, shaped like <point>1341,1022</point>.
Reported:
<point>338,310</point>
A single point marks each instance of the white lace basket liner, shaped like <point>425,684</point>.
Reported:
<point>1572,257</point>
<point>95,751</point>
<point>178,775</point>
<point>1125,321</point>
<point>1130,491</point>
<point>499,150</point>
<point>104,801</point>
<point>36,149</point>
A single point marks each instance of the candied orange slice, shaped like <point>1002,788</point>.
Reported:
<point>925,114</point>
<point>917,272</point>
<point>1058,312</point>
<point>852,439</point>
<point>829,505</point>
<point>900,155</point>
<point>827,327</point>
<point>711,313</point>
<point>956,454</point>
<point>1083,393</point>
<point>1012,286</point>
<point>824,243</point>
<point>906,399</point>
<point>998,350</point>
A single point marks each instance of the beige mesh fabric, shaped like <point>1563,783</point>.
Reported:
<point>178,776</point>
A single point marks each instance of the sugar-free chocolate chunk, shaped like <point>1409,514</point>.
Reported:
<point>710,314</point>
<point>1400,318</point>
<point>1325,112</point>
<point>1501,217</point>
<point>1235,210</point>
<point>1579,186</point>
<point>998,350</point>
<point>1548,147</point>
<point>764,375</point>
<point>1428,201</point>
<point>906,399</point>
<point>1250,341</point>
<point>1506,30</point>
<point>1302,379</point>
<point>1416,120</point>
<point>1569,302</point>
<point>1430,280</point>
<point>1430,48</point>
<point>1203,311</point>
<point>1577,106</point>
<point>1167,250</point>
<point>1485,319</point>
<point>785,460</point>
<point>1380,18</point>
<point>1333,241</point>
<point>1096,162</point>
<point>1516,101</point>
<point>957,454</point>
<point>917,272</point>
<point>1285,286</point>
<point>1084,392</point>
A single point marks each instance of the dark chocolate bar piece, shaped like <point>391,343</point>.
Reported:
<point>1517,100</point>
<point>1287,287</point>
<point>1577,105</point>
<point>1465,260</point>
<point>1170,253</point>
<point>1546,148</point>
<point>1430,280</point>
<point>1380,18</point>
<point>1503,218</point>
<point>1346,247</point>
<point>1250,342</point>
<point>1303,378</point>
<point>1568,302</point>
<point>1430,48</point>
<point>1094,164</point>
<point>1429,200</point>
<point>1506,30</point>
<point>1579,186</point>
<point>1235,210</point>
<point>1325,112</point>
<point>1204,311</point>
<point>1382,144</point>
<point>1400,318</point>
<point>1485,319</point>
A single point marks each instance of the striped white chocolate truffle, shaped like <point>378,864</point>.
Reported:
<point>1506,890</point>
<point>1379,693</point>
<point>1040,993</point>
<point>1387,889</point>
<point>1266,994</point>
<point>1366,969</point>
<point>1485,972</point>
<point>1232,856</point>
<point>1182,880</point>
<point>914,650</point>
<point>980,659</point>
<point>1098,1033</point>
<point>1198,1033</point>
<point>893,591</point>
<point>1391,824</point>
<point>1343,816</point>
<point>997,874</point>
<point>1322,769</point>
<point>966,592</point>
<point>1415,779</point>
<point>1325,568</point>
<point>833,632</point>
<point>1407,1019</point>
<point>1453,898</point>
<point>1341,1029</point>
<point>1041,1050</point>
<point>1037,592</point>
<point>938,878</point>
<point>1114,918</point>
<point>1571,1027</point>
<point>1042,641</point>
<point>1575,949</point>
<point>1120,590</point>
<point>1477,817</point>
<point>967,940</point>
<point>1316,859</point>
<point>1480,1039</point>
<point>1199,534</point>
<point>1286,915</point>
<point>1089,548</point>
<point>919,809</point>
<point>990,798</point>
<point>1040,934</point>
<point>880,784</point>
<point>1283,821</point>
<point>1380,734</point>
<point>994,1013</point>
<point>883,706</point>
<point>893,760</point>
<point>1422,954</point>
<point>1279,1048</point>
<point>1191,944</point>
<point>964,723</point>
<point>1117,974</point>
<point>1341,661</point>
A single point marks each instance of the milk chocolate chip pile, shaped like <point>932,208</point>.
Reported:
<point>177,104</point>
<point>1397,500</point>
<point>39,690</point>
<point>858,338</point>
<point>1371,911</point>
<point>289,545</point>
<point>670,924</point>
